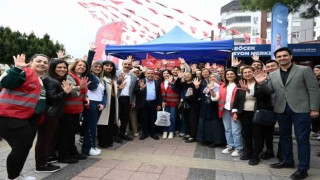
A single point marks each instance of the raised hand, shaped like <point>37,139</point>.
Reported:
<point>85,57</point>
<point>214,66</point>
<point>92,46</point>
<point>130,58</point>
<point>181,60</point>
<point>67,88</point>
<point>122,77</point>
<point>20,61</point>
<point>144,68</point>
<point>122,85</point>
<point>60,54</point>
<point>135,63</point>
<point>193,68</point>
<point>207,65</point>
<point>235,62</point>
<point>196,82</point>
<point>255,57</point>
<point>142,84</point>
<point>164,62</point>
<point>84,82</point>
<point>260,76</point>
<point>244,85</point>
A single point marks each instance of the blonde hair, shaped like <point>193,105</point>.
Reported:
<point>101,75</point>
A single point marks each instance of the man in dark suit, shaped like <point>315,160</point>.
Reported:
<point>148,101</point>
<point>296,102</point>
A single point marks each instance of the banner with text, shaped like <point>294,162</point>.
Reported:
<point>279,26</point>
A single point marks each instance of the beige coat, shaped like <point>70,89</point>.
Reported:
<point>104,117</point>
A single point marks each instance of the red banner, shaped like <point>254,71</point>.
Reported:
<point>151,62</point>
<point>108,34</point>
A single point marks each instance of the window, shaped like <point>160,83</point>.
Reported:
<point>296,34</point>
<point>239,19</point>
<point>255,20</point>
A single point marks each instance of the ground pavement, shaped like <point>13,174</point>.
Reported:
<point>164,160</point>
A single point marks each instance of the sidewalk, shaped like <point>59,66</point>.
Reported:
<point>164,160</point>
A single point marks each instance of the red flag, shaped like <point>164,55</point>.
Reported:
<point>182,23</point>
<point>163,31</point>
<point>100,5</point>
<point>114,8</point>
<point>136,22</point>
<point>126,15</point>
<point>141,35</point>
<point>143,31</point>
<point>205,34</point>
<point>161,5</point>
<point>194,18</point>
<point>246,38</point>
<point>155,25</point>
<point>168,16</point>
<point>221,27</point>
<point>116,2</point>
<point>144,18</point>
<point>178,10</point>
<point>114,15</point>
<point>193,29</point>
<point>208,22</point>
<point>108,34</point>
<point>133,29</point>
<point>150,62</point>
<point>146,28</point>
<point>132,11</point>
<point>85,5</point>
<point>148,1</point>
<point>235,32</point>
<point>136,1</point>
<point>104,14</point>
<point>154,11</point>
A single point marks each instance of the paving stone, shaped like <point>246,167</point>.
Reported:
<point>228,175</point>
<point>116,174</point>
<point>203,174</point>
<point>144,176</point>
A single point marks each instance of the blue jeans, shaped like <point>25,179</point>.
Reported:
<point>90,120</point>
<point>302,124</point>
<point>232,131</point>
<point>173,115</point>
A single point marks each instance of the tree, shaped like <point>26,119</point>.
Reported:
<point>13,43</point>
<point>293,5</point>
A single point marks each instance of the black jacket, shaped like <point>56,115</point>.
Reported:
<point>141,95</point>
<point>54,97</point>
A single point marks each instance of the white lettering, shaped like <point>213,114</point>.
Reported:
<point>106,41</point>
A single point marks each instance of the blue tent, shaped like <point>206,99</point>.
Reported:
<point>176,43</point>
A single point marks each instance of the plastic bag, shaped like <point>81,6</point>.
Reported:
<point>163,118</point>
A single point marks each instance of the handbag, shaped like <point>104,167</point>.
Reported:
<point>163,118</point>
<point>183,106</point>
<point>264,117</point>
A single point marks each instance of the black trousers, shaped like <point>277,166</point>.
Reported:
<point>105,132</point>
<point>148,115</point>
<point>69,126</point>
<point>124,110</point>
<point>315,124</point>
<point>253,136</point>
<point>20,135</point>
<point>47,140</point>
<point>191,118</point>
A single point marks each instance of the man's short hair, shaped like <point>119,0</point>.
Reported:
<point>271,61</point>
<point>282,49</point>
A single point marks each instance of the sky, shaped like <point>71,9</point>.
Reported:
<point>73,26</point>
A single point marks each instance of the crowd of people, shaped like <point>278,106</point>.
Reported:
<point>212,105</point>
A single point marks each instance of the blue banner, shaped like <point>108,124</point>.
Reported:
<point>279,26</point>
<point>263,50</point>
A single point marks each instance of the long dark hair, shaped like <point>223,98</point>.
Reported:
<point>111,74</point>
<point>52,69</point>
<point>161,74</point>
<point>236,81</point>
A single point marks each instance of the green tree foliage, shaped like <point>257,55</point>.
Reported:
<point>14,42</point>
<point>293,5</point>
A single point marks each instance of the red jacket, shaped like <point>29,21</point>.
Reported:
<point>75,104</point>
<point>170,97</point>
<point>21,102</point>
<point>222,98</point>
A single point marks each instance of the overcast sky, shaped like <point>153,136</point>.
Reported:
<point>70,24</point>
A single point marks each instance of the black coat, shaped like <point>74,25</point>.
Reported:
<point>54,97</point>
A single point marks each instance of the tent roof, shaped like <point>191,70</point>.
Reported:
<point>174,44</point>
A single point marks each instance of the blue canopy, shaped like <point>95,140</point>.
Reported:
<point>176,43</point>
